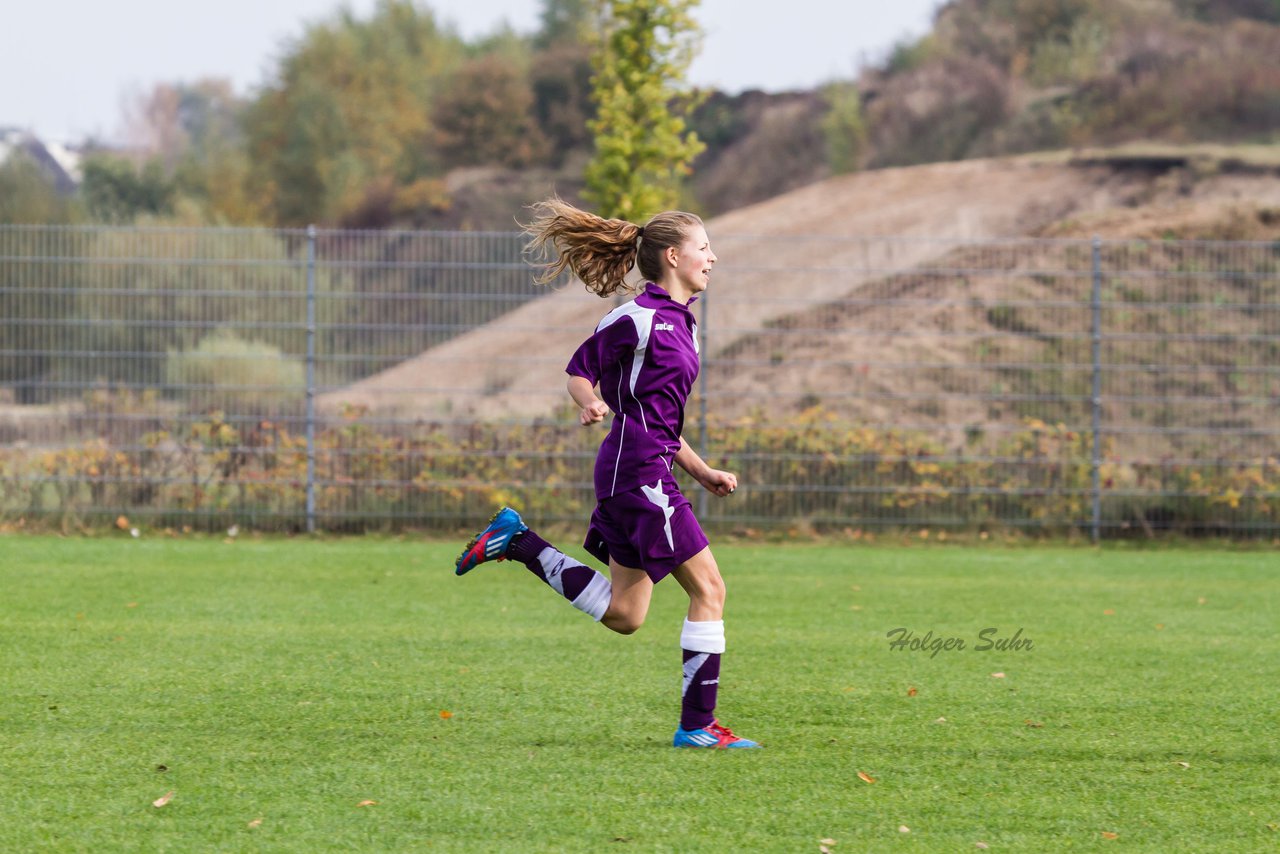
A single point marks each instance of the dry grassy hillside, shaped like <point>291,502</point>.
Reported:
<point>795,263</point>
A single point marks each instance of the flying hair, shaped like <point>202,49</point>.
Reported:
<point>600,252</point>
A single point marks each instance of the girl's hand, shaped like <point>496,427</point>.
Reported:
<point>593,413</point>
<point>718,482</point>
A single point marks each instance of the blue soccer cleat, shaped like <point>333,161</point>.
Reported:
<point>492,542</point>
<point>712,735</point>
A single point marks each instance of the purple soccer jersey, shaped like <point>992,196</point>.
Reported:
<point>644,357</point>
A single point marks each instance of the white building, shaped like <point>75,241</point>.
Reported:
<point>61,163</point>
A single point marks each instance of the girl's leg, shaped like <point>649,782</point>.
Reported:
<point>586,589</point>
<point>702,642</point>
<point>632,591</point>
<point>700,578</point>
<point>621,603</point>
<point>628,590</point>
<point>701,639</point>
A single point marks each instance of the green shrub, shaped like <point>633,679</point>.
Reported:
<point>227,372</point>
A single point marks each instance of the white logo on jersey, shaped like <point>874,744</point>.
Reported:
<point>664,327</point>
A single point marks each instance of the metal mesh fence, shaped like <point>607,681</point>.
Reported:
<point>375,380</point>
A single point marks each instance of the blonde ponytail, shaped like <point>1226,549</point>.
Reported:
<point>600,252</point>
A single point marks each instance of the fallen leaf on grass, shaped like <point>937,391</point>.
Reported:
<point>1109,612</point>
<point>940,721</point>
<point>256,822</point>
<point>902,828</point>
<point>446,714</point>
<point>984,846</point>
<point>1201,600</point>
<point>911,692</point>
<point>366,803</point>
<point>865,777</point>
<point>1034,724</point>
<point>1183,764</point>
<point>1106,834</point>
<point>162,800</point>
<point>827,841</point>
<point>997,675</point>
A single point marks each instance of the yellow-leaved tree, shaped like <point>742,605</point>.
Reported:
<point>643,146</point>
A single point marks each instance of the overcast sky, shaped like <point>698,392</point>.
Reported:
<point>67,68</point>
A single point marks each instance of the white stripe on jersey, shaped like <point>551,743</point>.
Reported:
<point>617,463</point>
<point>643,320</point>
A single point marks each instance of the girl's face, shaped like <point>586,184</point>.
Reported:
<point>691,263</point>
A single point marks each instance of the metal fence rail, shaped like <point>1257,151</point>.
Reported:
<point>356,380</point>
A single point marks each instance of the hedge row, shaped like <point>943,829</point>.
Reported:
<point>814,474</point>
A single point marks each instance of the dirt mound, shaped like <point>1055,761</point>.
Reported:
<point>796,252</point>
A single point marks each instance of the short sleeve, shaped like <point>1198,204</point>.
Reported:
<point>605,347</point>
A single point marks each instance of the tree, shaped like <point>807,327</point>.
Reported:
<point>117,191</point>
<point>564,21</point>
<point>643,147</point>
<point>560,77</point>
<point>28,195</point>
<point>196,131</point>
<point>350,109</point>
<point>485,117</point>
<point>844,128</point>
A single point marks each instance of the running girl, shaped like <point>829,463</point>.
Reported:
<point>643,357</point>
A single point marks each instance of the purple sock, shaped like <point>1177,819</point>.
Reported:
<point>702,643</point>
<point>701,679</point>
<point>586,589</point>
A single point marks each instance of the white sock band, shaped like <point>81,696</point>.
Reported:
<point>707,636</point>
<point>595,597</point>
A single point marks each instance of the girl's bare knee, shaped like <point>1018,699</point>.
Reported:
<point>623,624</point>
<point>709,592</point>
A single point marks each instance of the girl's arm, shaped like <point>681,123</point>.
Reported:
<point>716,482</point>
<point>583,392</point>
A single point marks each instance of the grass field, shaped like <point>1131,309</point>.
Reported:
<point>274,686</point>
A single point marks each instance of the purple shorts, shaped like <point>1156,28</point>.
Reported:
<point>651,528</point>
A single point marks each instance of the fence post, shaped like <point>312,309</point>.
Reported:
<point>702,401</point>
<point>1096,398</point>
<point>311,379</point>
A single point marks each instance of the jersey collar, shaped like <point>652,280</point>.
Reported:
<point>657,292</point>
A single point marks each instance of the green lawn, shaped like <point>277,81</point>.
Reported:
<point>273,686</point>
